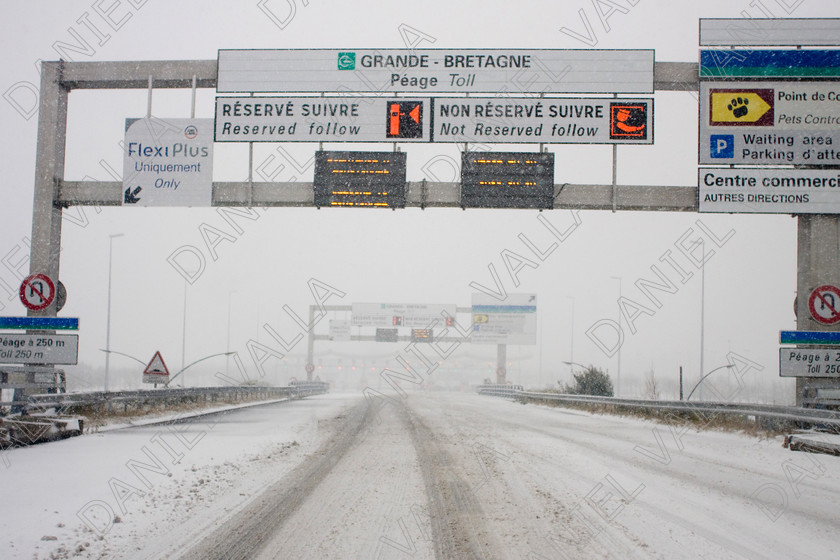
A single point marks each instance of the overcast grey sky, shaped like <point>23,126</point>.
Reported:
<point>409,255</point>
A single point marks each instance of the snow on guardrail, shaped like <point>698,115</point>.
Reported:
<point>771,412</point>
<point>133,399</point>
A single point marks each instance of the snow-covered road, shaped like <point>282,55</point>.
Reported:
<point>434,475</point>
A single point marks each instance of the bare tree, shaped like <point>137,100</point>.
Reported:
<point>651,387</point>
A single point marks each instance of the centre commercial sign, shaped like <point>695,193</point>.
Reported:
<point>770,108</point>
<point>768,191</point>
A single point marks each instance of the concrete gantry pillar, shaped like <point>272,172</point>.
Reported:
<point>49,172</point>
<point>818,263</point>
<point>310,345</point>
<point>501,363</point>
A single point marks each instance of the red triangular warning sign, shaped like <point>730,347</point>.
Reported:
<point>156,366</point>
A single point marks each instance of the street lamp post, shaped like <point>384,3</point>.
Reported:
<point>707,375</point>
<point>540,369</point>
<point>618,372</point>
<point>108,319</point>
<point>570,364</point>
<point>572,335</point>
<point>184,330</point>
<point>138,360</point>
<point>171,379</point>
<point>227,348</point>
<point>702,309</point>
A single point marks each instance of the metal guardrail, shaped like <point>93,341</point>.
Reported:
<point>60,421</point>
<point>115,400</point>
<point>770,412</point>
<point>500,390</point>
<point>305,388</point>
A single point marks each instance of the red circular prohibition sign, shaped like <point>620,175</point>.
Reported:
<point>37,292</point>
<point>824,304</point>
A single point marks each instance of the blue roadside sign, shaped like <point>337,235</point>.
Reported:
<point>828,338</point>
<point>40,323</point>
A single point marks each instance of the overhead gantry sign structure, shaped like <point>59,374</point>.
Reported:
<point>429,74</point>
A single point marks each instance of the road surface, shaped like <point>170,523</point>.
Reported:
<point>431,475</point>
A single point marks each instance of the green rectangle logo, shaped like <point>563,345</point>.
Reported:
<point>346,61</point>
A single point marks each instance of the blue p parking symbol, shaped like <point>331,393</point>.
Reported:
<point>722,146</point>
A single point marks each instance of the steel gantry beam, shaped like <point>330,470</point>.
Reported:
<point>419,194</point>
<point>668,76</point>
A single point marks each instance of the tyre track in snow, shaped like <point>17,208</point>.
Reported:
<point>371,505</point>
<point>246,532</point>
<point>458,530</point>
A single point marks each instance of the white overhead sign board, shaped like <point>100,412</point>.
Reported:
<point>322,119</point>
<point>769,123</point>
<point>168,162</point>
<point>340,330</point>
<point>769,191</point>
<point>415,316</point>
<point>435,70</point>
<point>546,120</point>
<point>512,320</point>
<point>39,348</point>
<point>809,362</point>
<point>461,119</point>
<point>769,32</point>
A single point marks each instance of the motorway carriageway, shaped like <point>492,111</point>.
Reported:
<point>433,475</point>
